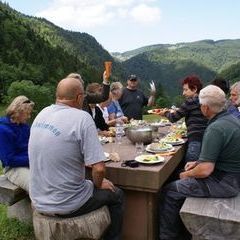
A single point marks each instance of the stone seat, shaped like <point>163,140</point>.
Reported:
<point>17,200</point>
<point>212,218</point>
<point>89,226</point>
<point>10,193</point>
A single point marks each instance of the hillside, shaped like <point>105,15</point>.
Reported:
<point>216,55</point>
<point>168,64</point>
<point>35,49</point>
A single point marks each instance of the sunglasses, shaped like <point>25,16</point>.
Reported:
<point>26,101</point>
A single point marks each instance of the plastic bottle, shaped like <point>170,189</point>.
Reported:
<point>119,128</point>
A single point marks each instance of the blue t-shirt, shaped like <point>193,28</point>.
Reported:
<point>114,107</point>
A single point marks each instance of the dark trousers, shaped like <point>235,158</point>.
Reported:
<point>115,203</point>
<point>217,185</point>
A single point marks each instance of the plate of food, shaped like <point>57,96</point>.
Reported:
<point>159,147</point>
<point>154,111</point>
<point>103,139</point>
<point>174,141</point>
<point>149,159</point>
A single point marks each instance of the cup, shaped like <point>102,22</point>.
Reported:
<point>108,68</point>
<point>139,148</point>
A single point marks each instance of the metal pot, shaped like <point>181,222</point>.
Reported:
<point>139,134</point>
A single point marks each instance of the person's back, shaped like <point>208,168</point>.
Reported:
<point>59,144</point>
<point>63,140</point>
<point>223,133</point>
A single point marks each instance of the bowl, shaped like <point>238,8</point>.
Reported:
<point>139,134</point>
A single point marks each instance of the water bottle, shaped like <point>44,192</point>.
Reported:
<point>119,128</point>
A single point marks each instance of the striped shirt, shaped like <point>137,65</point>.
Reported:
<point>195,121</point>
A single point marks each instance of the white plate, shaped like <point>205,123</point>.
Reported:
<point>158,124</point>
<point>156,159</point>
<point>107,156</point>
<point>148,149</point>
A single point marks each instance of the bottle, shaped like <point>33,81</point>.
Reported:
<point>119,128</point>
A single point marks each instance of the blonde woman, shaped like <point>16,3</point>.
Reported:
<point>14,136</point>
<point>114,108</point>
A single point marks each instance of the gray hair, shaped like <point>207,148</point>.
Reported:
<point>236,87</point>
<point>115,86</point>
<point>214,97</point>
<point>76,76</point>
<point>18,106</point>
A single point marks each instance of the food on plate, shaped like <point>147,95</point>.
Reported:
<point>149,159</point>
<point>161,146</point>
<point>104,139</point>
<point>172,139</point>
<point>155,111</point>
<point>112,131</point>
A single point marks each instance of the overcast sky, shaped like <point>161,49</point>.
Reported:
<point>122,25</point>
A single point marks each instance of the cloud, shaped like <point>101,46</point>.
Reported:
<point>145,14</point>
<point>86,14</point>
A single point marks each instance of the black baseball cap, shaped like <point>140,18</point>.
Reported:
<point>133,77</point>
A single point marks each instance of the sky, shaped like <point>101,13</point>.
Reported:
<point>123,25</point>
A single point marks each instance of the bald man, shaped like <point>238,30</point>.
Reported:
<point>63,141</point>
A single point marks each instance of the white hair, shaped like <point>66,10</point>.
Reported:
<point>236,87</point>
<point>214,97</point>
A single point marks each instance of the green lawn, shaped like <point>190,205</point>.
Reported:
<point>12,229</point>
<point>151,118</point>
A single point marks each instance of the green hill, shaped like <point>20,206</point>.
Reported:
<point>37,50</point>
<point>168,64</point>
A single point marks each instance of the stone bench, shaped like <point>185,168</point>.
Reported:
<point>17,200</point>
<point>89,226</point>
<point>212,218</point>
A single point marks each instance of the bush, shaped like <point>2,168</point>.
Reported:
<point>42,96</point>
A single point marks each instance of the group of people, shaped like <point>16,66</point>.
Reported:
<point>63,140</point>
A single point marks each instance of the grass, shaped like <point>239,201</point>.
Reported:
<point>12,229</point>
<point>151,118</point>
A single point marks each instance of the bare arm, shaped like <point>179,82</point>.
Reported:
<point>201,170</point>
<point>151,100</point>
<point>98,173</point>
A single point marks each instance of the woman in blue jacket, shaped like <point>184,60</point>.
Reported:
<point>14,136</point>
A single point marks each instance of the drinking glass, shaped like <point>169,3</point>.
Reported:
<point>108,68</point>
<point>139,148</point>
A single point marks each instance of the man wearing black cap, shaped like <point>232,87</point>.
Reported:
<point>133,99</point>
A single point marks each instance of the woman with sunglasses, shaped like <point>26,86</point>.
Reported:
<point>14,136</point>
